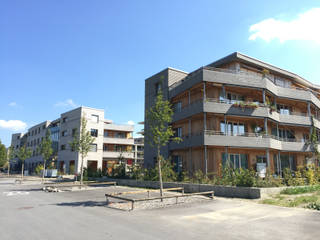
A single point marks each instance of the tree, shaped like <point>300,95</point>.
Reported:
<point>23,153</point>
<point>10,155</point>
<point>82,144</point>
<point>3,154</point>
<point>46,150</point>
<point>159,116</point>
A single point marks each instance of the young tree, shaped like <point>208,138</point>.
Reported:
<point>159,116</point>
<point>10,155</point>
<point>23,153</point>
<point>3,154</point>
<point>46,150</point>
<point>82,144</point>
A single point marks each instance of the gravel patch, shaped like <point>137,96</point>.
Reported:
<point>153,204</point>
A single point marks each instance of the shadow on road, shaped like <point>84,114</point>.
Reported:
<point>82,204</point>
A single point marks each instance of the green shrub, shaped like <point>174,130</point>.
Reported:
<point>245,178</point>
<point>200,177</point>
<point>310,175</point>
<point>38,169</point>
<point>314,205</point>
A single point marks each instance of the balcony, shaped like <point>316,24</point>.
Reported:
<point>241,79</point>
<point>211,105</point>
<point>117,154</point>
<point>123,141</point>
<point>118,127</point>
<point>246,140</point>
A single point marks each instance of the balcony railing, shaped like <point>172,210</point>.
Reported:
<point>247,134</point>
<point>245,105</point>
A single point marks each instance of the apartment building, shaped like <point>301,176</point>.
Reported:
<point>138,151</point>
<point>112,142</point>
<point>237,111</point>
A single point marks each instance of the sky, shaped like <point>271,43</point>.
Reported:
<point>57,55</point>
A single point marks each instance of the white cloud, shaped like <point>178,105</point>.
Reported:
<point>130,122</point>
<point>12,104</point>
<point>15,125</point>
<point>304,27</point>
<point>67,103</point>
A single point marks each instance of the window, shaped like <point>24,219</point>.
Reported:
<point>32,133</point>
<point>234,97</point>
<point>177,132</point>
<point>177,161</point>
<point>283,109</point>
<point>63,147</point>
<point>286,134</point>
<point>235,160</point>
<point>282,82</point>
<point>105,134</point>
<point>158,87</point>
<point>93,147</point>
<point>95,118</point>
<point>74,131</point>
<point>94,132</point>
<point>120,135</point>
<point>285,161</point>
<point>18,137</point>
<point>64,120</point>
<point>177,107</point>
<point>64,133</point>
<point>44,127</point>
<point>39,130</point>
<point>232,128</point>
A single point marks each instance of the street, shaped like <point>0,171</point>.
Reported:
<point>26,212</point>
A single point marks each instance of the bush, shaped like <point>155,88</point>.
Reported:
<point>200,177</point>
<point>245,178</point>
<point>119,171</point>
<point>314,205</point>
<point>38,169</point>
<point>310,175</point>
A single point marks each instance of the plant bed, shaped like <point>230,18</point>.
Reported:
<point>303,197</point>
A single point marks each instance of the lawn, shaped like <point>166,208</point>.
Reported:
<point>305,197</point>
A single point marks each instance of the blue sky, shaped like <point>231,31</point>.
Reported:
<point>55,55</point>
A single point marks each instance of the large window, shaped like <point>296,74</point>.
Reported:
<point>285,161</point>
<point>94,118</point>
<point>177,107</point>
<point>283,109</point>
<point>286,134</point>
<point>158,87</point>
<point>232,128</point>
<point>177,161</point>
<point>234,97</point>
<point>93,147</point>
<point>94,132</point>
<point>177,132</point>
<point>64,133</point>
<point>235,160</point>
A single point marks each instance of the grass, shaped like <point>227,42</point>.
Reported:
<point>308,197</point>
<point>301,190</point>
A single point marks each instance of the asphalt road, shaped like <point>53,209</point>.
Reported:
<point>26,213</point>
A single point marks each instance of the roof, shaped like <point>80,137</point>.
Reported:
<point>253,61</point>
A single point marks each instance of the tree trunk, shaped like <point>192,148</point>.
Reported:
<point>160,176</point>
<point>44,170</point>
<point>81,171</point>
<point>9,168</point>
<point>22,168</point>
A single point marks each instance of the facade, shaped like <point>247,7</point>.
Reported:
<point>237,111</point>
<point>113,143</point>
<point>138,151</point>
